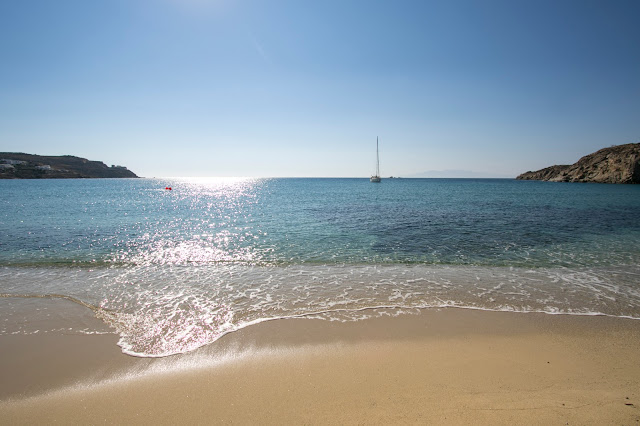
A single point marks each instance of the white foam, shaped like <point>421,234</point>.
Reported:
<point>164,310</point>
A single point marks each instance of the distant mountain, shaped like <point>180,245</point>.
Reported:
<point>16,165</point>
<point>466,174</point>
<point>617,164</point>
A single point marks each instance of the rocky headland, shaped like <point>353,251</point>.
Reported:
<point>616,164</point>
<point>16,165</point>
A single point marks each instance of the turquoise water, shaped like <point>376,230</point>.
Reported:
<point>174,270</point>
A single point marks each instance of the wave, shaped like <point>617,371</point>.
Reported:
<point>159,310</point>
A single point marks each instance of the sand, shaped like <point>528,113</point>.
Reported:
<point>448,366</point>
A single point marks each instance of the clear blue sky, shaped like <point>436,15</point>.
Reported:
<point>302,88</point>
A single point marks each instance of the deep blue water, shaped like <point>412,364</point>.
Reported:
<point>173,270</point>
<point>294,221</point>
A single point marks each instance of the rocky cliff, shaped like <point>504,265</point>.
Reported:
<point>15,165</point>
<point>617,164</point>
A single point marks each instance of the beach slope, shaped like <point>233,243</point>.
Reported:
<point>448,366</point>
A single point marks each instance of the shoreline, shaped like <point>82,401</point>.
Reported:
<point>439,366</point>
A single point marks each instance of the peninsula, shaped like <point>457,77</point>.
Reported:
<point>16,165</point>
<point>616,164</point>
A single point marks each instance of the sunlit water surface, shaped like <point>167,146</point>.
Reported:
<point>171,271</point>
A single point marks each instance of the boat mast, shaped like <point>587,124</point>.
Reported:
<point>377,159</point>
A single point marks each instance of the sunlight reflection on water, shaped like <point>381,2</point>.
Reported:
<point>212,221</point>
<point>173,270</point>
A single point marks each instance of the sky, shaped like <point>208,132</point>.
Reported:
<point>270,88</point>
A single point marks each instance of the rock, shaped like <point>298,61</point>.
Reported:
<point>617,164</point>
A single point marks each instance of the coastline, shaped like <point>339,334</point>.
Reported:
<point>439,366</point>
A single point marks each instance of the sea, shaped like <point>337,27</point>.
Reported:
<point>171,270</point>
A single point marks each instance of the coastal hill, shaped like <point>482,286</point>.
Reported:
<point>15,165</point>
<point>616,164</point>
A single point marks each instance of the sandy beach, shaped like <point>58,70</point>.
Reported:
<point>447,366</point>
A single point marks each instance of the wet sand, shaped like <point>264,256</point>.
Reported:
<point>448,366</point>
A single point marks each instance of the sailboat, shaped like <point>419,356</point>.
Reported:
<point>376,177</point>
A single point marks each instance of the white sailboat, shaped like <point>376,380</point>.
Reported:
<point>376,177</point>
